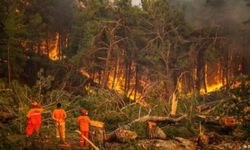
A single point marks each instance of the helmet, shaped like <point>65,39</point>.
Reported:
<point>85,111</point>
<point>34,104</point>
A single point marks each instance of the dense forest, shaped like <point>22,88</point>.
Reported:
<point>183,64</point>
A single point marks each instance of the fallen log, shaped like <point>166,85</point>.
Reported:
<point>223,125</point>
<point>158,119</point>
<point>225,121</point>
<point>209,105</point>
<point>114,136</point>
<point>176,144</point>
<point>210,120</point>
<point>187,144</point>
<point>121,135</point>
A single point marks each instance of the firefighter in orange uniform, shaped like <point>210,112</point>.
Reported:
<point>59,116</point>
<point>34,119</point>
<point>83,122</point>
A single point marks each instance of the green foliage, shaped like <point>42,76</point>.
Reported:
<point>13,113</point>
<point>105,108</point>
<point>246,129</point>
<point>183,131</point>
<point>43,83</point>
<point>187,105</point>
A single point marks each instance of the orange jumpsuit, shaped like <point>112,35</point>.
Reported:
<point>83,122</point>
<point>34,120</point>
<point>59,116</point>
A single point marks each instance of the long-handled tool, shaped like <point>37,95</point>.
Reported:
<point>85,138</point>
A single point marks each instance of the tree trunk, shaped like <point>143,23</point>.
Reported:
<point>47,44</point>
<point>205,77</point>
<point>136,81</point>
<point>129,76</point>
<point>39,48</point>
<point>99,77</point>
<point>200,67</point>
<point>227,71</point>
<point>107,66</point>
<point>126,76</point>
<point>115,72</point>
<point>9,66</point>
<point>60,46</point>
<point>174,103</point>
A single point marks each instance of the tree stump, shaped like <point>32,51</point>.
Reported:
<point>154,131</point>
<point>203,140</point>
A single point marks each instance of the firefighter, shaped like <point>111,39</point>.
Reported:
<point>34,119</point>
<point>59,115</point>
<point>84,122</point>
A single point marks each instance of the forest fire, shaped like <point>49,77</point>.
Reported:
<point>158,75</point>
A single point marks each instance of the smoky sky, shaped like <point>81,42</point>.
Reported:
<point>136,2</point>
<point>221,13</point>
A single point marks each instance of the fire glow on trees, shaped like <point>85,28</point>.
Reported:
<point>214,80</point>
<point>118,84</point>
<point>48,47</point>
<point>213,76</point>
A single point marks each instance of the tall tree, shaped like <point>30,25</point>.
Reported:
<point>11,39</point>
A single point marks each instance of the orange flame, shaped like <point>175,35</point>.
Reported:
<point>212,88</point>
<point>54,48</point>
<point>213,80</point>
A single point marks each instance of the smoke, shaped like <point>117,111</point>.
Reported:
<point>214,13</point>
